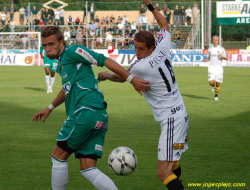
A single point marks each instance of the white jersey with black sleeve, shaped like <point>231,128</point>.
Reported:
<point>163,95</point>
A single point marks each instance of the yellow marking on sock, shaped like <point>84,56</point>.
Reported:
<point>169,179</point>
<point>177,164</point>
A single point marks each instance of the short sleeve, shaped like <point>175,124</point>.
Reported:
<point>208,52</point>
<point>224,53</point>
<point>81,54</point>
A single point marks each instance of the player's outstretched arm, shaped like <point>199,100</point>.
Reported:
<point>139,85</point>
<point>43,114</point>
<point>158,16</point>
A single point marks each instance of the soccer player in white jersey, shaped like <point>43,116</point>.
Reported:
<point>215,70</point>
<point>154,65</point>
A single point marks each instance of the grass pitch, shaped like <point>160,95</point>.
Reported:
<point>218,131</point>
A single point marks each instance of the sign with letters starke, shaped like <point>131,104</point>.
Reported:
<point>233,12</point>
<point>46,5</point>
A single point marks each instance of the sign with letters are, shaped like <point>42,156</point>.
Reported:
<point>233,12</point>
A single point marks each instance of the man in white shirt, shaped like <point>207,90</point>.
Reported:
<point>154,65</point>
<point>3,18</point>
<point>216,55</point>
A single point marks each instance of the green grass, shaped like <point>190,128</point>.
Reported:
<point>218,131</point>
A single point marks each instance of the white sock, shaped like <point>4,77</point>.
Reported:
<point>52,81</point>
<point>47,80</point>
<point>99,179</point>
<point>59,178</point>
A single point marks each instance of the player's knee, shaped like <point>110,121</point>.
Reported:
<point>163,173</point>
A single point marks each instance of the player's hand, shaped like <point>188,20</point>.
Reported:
<point>41,115</point>
<point>102,76</point>
<point>140,85</point>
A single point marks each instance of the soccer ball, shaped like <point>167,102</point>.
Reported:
<point>122,161</point>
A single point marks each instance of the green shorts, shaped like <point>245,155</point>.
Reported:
<point>85,131</point>
<point>52,64</point>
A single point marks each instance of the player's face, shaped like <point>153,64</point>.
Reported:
<point>52,47</point>
<point>216,41</point>
<point>141,50</point>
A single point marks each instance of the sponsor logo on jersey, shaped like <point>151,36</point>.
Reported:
<point>98,147</point>
<point>65,76</point>
<point>179,146</point>
<point>86,55</point>
<point>66,88</point>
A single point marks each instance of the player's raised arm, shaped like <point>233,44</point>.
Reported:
<point>158,16</point>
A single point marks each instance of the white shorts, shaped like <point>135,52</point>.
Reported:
<point>173,140</point>
<point>215,73</point>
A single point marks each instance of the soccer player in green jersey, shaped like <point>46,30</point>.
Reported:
<point>84,130</point>
<point>50,68</point>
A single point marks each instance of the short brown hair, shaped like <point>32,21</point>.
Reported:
<point>145,37</point>
<point>53,30</point>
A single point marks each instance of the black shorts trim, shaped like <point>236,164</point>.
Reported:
<point>63,145</point>
<point>91,156</point>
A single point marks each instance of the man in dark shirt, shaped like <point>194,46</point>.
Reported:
<point>51,14</point>
<point>176,16</point>
<point>182,15</point>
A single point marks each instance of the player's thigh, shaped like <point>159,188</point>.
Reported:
<point>211,74</point>
<point>173,138</point>
<point>219,77</point>
<point>85,131</point>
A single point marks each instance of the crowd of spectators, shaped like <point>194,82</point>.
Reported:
<point>102,31</point>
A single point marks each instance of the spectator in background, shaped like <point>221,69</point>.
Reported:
<point>133,27</point>
<point>98,41</point>
<point>97,20</point>
<point>51,14</point>
<point>120,41</point>
<point>42,13</point>
<point>176,16</point>
<point>36,23</point>
<point>145,22</point>
<point>5,10</point>
<point>46,16</point>
<point>110,48</point>
<point>139,21</point>
<point>61,15</point>
<point>12,12</point>
<point>34,12</point>
<point>119,19</point>
<point>57,16</point>
<point>195,10</point>
<point>66,35</point>
<point>142,10</point>
<point>21,15</point>
<point>126,42</point>
<point>157,7</point>
<point>28,13</point>
<point>92,10</point>
<point>132,42</point>
<point>85,10</point>
<point>109,38</point>
<point>77,22</point>
<point>121,27</point>
<point>24,41</point>
<point>189,46</point>
<point>206,46</point>
<point>79,37</point>
<point>42,25</point>
<point>92,28</point>
<point>3,18</point>
<point>182,16</point>
<point>167,14</point>
<point>112,18</point>
<point>12,25</point>
<point>70,20</point>
<point>189,15</point>
<point>73,35</point>
<point>178,39</point>
<point>125,18</point>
